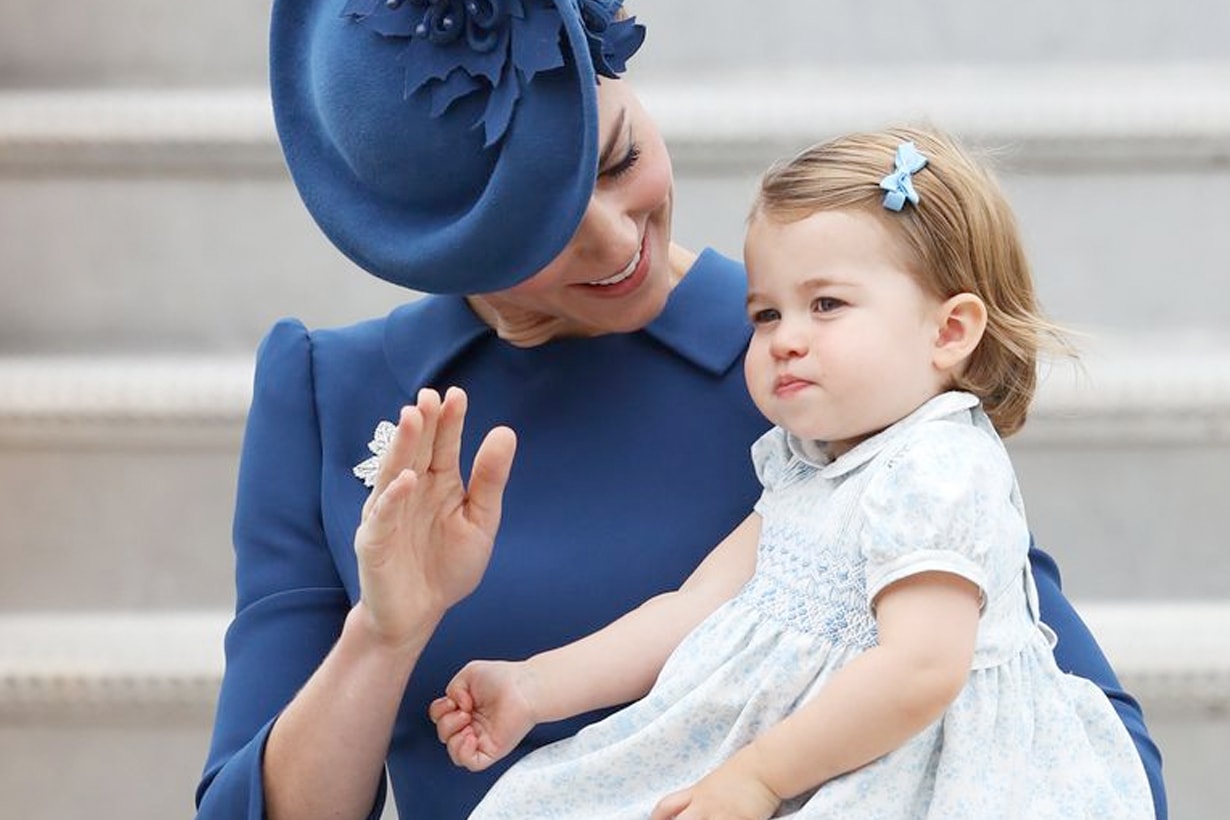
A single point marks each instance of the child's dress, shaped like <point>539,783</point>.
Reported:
<point>935,491</point>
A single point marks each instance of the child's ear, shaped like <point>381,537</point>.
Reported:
<point>962,321</point>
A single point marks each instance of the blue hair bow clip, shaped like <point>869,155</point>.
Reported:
<point>900,184</point>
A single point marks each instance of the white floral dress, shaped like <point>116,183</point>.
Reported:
<point>936,491</point>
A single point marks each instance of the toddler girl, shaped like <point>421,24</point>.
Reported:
<point>866,643</point>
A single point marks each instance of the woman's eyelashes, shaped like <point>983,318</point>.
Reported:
<point>625,164</point>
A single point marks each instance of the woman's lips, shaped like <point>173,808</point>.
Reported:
<point>628,279</point>
<point>623,274</point>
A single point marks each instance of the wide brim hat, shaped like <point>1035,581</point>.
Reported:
<point>447,146</point>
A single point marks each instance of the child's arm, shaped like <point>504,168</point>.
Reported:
<point>490,705</point>
<point>927,625</point>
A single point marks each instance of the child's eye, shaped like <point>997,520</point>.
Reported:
<point>760,317</point>
<point>826,304</point>
<point>624,165</point>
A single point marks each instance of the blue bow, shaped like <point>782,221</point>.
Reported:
<point>899,184</point>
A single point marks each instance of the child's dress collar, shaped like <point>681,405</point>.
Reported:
<point>813,452</point>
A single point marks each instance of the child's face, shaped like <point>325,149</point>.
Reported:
<point>843,337</point>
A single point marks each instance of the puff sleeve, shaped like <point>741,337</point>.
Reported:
<point>290,603</point>
<point>941,501</point>
<point>770,458</point>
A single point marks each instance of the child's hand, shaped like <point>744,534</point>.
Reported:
<point>729,792</point>
<point>484,713</point>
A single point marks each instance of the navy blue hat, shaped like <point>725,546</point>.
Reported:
<point>448,146</point>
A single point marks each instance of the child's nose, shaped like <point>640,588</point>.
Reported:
<point>788,340</point>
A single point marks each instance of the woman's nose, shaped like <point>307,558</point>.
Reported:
<point>608,231</point>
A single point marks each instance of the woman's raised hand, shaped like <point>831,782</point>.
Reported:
<point>424,538</point>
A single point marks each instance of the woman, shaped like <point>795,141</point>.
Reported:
<point>471,149</point>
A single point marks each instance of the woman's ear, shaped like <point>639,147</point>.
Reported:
<point>962,321</point>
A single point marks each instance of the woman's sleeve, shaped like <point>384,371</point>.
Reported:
<point>290,603</point>
<point>1079,654</point>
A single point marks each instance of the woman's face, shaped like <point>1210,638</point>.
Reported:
<point>616,273</point>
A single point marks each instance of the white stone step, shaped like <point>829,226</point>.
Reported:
<point>147,42</point>
<point>1079,108</point>
<point>57,665</point>
<point>106,714</point>
<point>1173,655</point>
<point>165,221</point>
<point>117,480</point>
<point>691,37</point>
<point>117,476</point>
<point>115,697</point>
<point>133,42</point>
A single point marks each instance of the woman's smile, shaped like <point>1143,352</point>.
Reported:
<point>623,274</point>
<point>627,280</point>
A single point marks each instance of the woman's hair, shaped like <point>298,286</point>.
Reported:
<point>961,237</point>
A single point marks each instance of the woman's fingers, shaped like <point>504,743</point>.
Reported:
<point>446,455</point>
<point>428,404</point>
<point>489,476</point>
<point>383,513</point>
<point>396,458</point>
<point>415,442</point>
<point>419,515</point>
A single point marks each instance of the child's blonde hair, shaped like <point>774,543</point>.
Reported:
<point>962,237</point>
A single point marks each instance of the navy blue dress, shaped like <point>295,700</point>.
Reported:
<point>632,463</point>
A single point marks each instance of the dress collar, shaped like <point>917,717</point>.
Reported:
<point>813,452</point>
<point>705,319</point>
<point>703,323</point>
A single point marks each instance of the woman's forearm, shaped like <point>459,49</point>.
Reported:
<point>325,754</point>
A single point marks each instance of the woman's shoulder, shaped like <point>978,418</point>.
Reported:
<point>370,332</point>
<point>292,331</point>
<point>424,324</point>
<point>337,362</point>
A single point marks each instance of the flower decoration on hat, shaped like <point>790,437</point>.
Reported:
<point>494,47</point>
<point>900,183</point>
<point>611,41</point>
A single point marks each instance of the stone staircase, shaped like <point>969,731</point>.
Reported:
<point>149,236</point>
